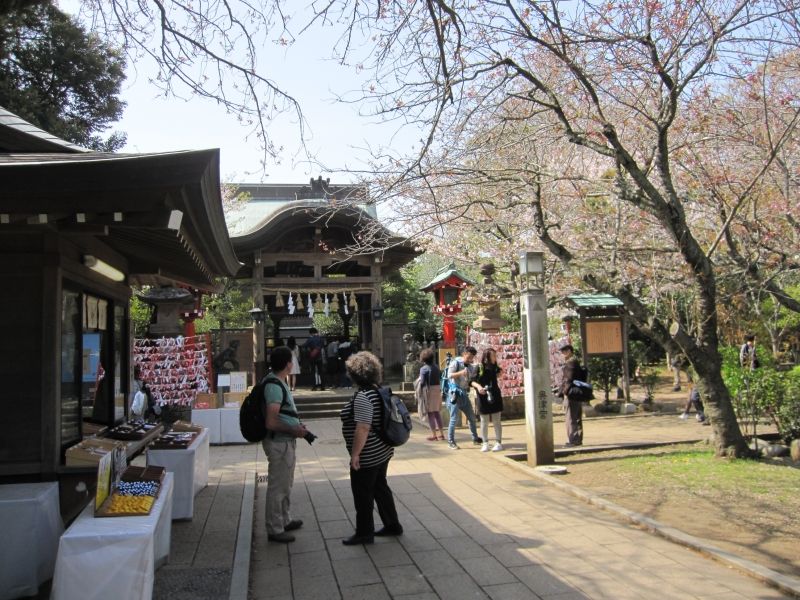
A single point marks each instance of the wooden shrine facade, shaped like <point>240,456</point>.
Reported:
<point>299,248</point>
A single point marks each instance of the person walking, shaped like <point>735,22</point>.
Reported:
<point>430,402</point>
<point>490,399</point>
<point>369,454</point>
<point>283,429</point>
<point>694,400</point>
<point>747,353</point>
<point>295,371</point>
<point>459,375</point>
<point>573,408</point>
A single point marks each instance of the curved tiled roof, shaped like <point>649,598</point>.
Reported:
<point>17,135</point>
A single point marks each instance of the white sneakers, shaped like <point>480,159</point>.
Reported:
<point>684,416</point>
<point>496,448</point>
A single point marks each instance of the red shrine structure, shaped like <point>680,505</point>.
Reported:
<point>447,287</point>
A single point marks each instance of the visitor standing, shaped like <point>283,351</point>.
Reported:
<point>314,346</point>
<point>459,375</point>
<point>279,445</point>
<point>292,345</point>
<point>573,408</point>
<point>430,400</point>
<point>747,353</point>
<point>362,418</point>
<point>490,399</point>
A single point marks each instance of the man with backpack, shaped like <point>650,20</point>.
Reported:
<point>573,406</point>
<point>283,429</point>
<point>459,375</point>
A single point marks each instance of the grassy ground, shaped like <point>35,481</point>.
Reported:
<point>748,507</point>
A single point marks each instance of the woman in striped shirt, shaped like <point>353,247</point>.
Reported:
<point>369,455</point>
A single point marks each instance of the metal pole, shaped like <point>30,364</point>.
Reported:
<point>536,378</point>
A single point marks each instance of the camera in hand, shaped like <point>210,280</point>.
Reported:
<point>309,437</point>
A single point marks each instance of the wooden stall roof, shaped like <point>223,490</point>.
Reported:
<point>162,212</point>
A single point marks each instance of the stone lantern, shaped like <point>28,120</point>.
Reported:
<point>489,319</point>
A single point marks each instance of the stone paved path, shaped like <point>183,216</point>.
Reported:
<point>474,529</point>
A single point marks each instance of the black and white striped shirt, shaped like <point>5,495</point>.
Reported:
<point>366,407</point>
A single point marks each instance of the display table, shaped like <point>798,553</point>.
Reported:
<point>30,522</point>
<point>222,423</point>
<point>208,418</point>
<point>229,426</point>
<point>190,467</point>
<point>114,557</point>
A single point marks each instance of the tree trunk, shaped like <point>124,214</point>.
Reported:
<point>728,438</point>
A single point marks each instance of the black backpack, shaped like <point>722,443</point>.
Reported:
<point>253,415</point>
<point>395,419</point>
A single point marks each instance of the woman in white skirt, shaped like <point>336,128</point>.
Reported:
<point>292,377</point>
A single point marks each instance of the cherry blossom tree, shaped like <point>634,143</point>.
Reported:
<point>617,80</point>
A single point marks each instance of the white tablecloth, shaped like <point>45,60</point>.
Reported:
<point>114,557</point>
<point>30,525</point>
<point>190,467</point>
<point>208,418</point>
<point>229,424</point>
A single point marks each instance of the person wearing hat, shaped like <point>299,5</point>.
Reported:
<point>573,409</point>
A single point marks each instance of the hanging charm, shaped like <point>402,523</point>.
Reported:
<point>344,303</point>
<point>318,304</point>
<point>278,300</point>
<point>310,306</point>
<point>290,306</point>
<point>300,301</point>
<point>335,303</point>
<point>327,307</point>
<point>353,303</point>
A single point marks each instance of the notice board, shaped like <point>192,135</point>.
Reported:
<point>604,336</point>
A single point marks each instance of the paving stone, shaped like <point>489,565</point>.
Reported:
<point>540,580</point>
<point>375,591</point>
<point>314,588</point>
<point>388,554</point>
<point>354,572</point>
<point>457,588</point>
<point>336,529</point>
<point>487,571</point>
<point>511,591</point>
<point>404,580</point>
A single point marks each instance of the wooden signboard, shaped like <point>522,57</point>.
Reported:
<point>604,336</point>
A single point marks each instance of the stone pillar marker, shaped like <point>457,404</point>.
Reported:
<point>536,361</point>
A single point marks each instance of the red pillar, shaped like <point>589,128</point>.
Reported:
<point>449,331</point>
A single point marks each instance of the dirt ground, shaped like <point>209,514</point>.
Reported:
<point>752,525</point>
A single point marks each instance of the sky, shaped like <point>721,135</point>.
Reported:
<point>334,131</point>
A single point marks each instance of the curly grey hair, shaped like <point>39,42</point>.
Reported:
<point>364,369</point>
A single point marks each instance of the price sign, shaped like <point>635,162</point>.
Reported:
<point>104,468</point>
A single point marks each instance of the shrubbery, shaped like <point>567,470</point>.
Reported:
<point>764,393</point>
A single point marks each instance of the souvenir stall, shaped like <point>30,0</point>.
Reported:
<point>78,229</point>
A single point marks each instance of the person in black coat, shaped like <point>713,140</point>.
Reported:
<point>573,409</point>
<point>490,399</point>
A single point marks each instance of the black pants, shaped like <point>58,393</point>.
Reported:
<point>370,487</point>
